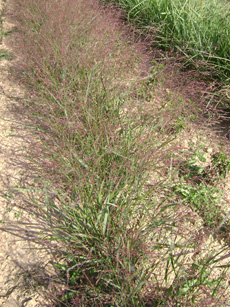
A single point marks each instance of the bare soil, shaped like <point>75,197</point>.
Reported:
<point>23,265</point>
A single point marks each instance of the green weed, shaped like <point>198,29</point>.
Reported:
<point>5,55</point>
<point>204,200</point>
<point>218,168</point>
<point>201,193</point>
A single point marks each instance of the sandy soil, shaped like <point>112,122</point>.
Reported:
<point>22,267</point>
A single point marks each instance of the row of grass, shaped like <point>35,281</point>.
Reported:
<point>118,240</point>
<point>198,29</point>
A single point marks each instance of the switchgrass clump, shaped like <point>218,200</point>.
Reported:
<point>118,240</point>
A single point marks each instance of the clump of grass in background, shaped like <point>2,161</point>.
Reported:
<point>198,29</point>
<point>120,241</point>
